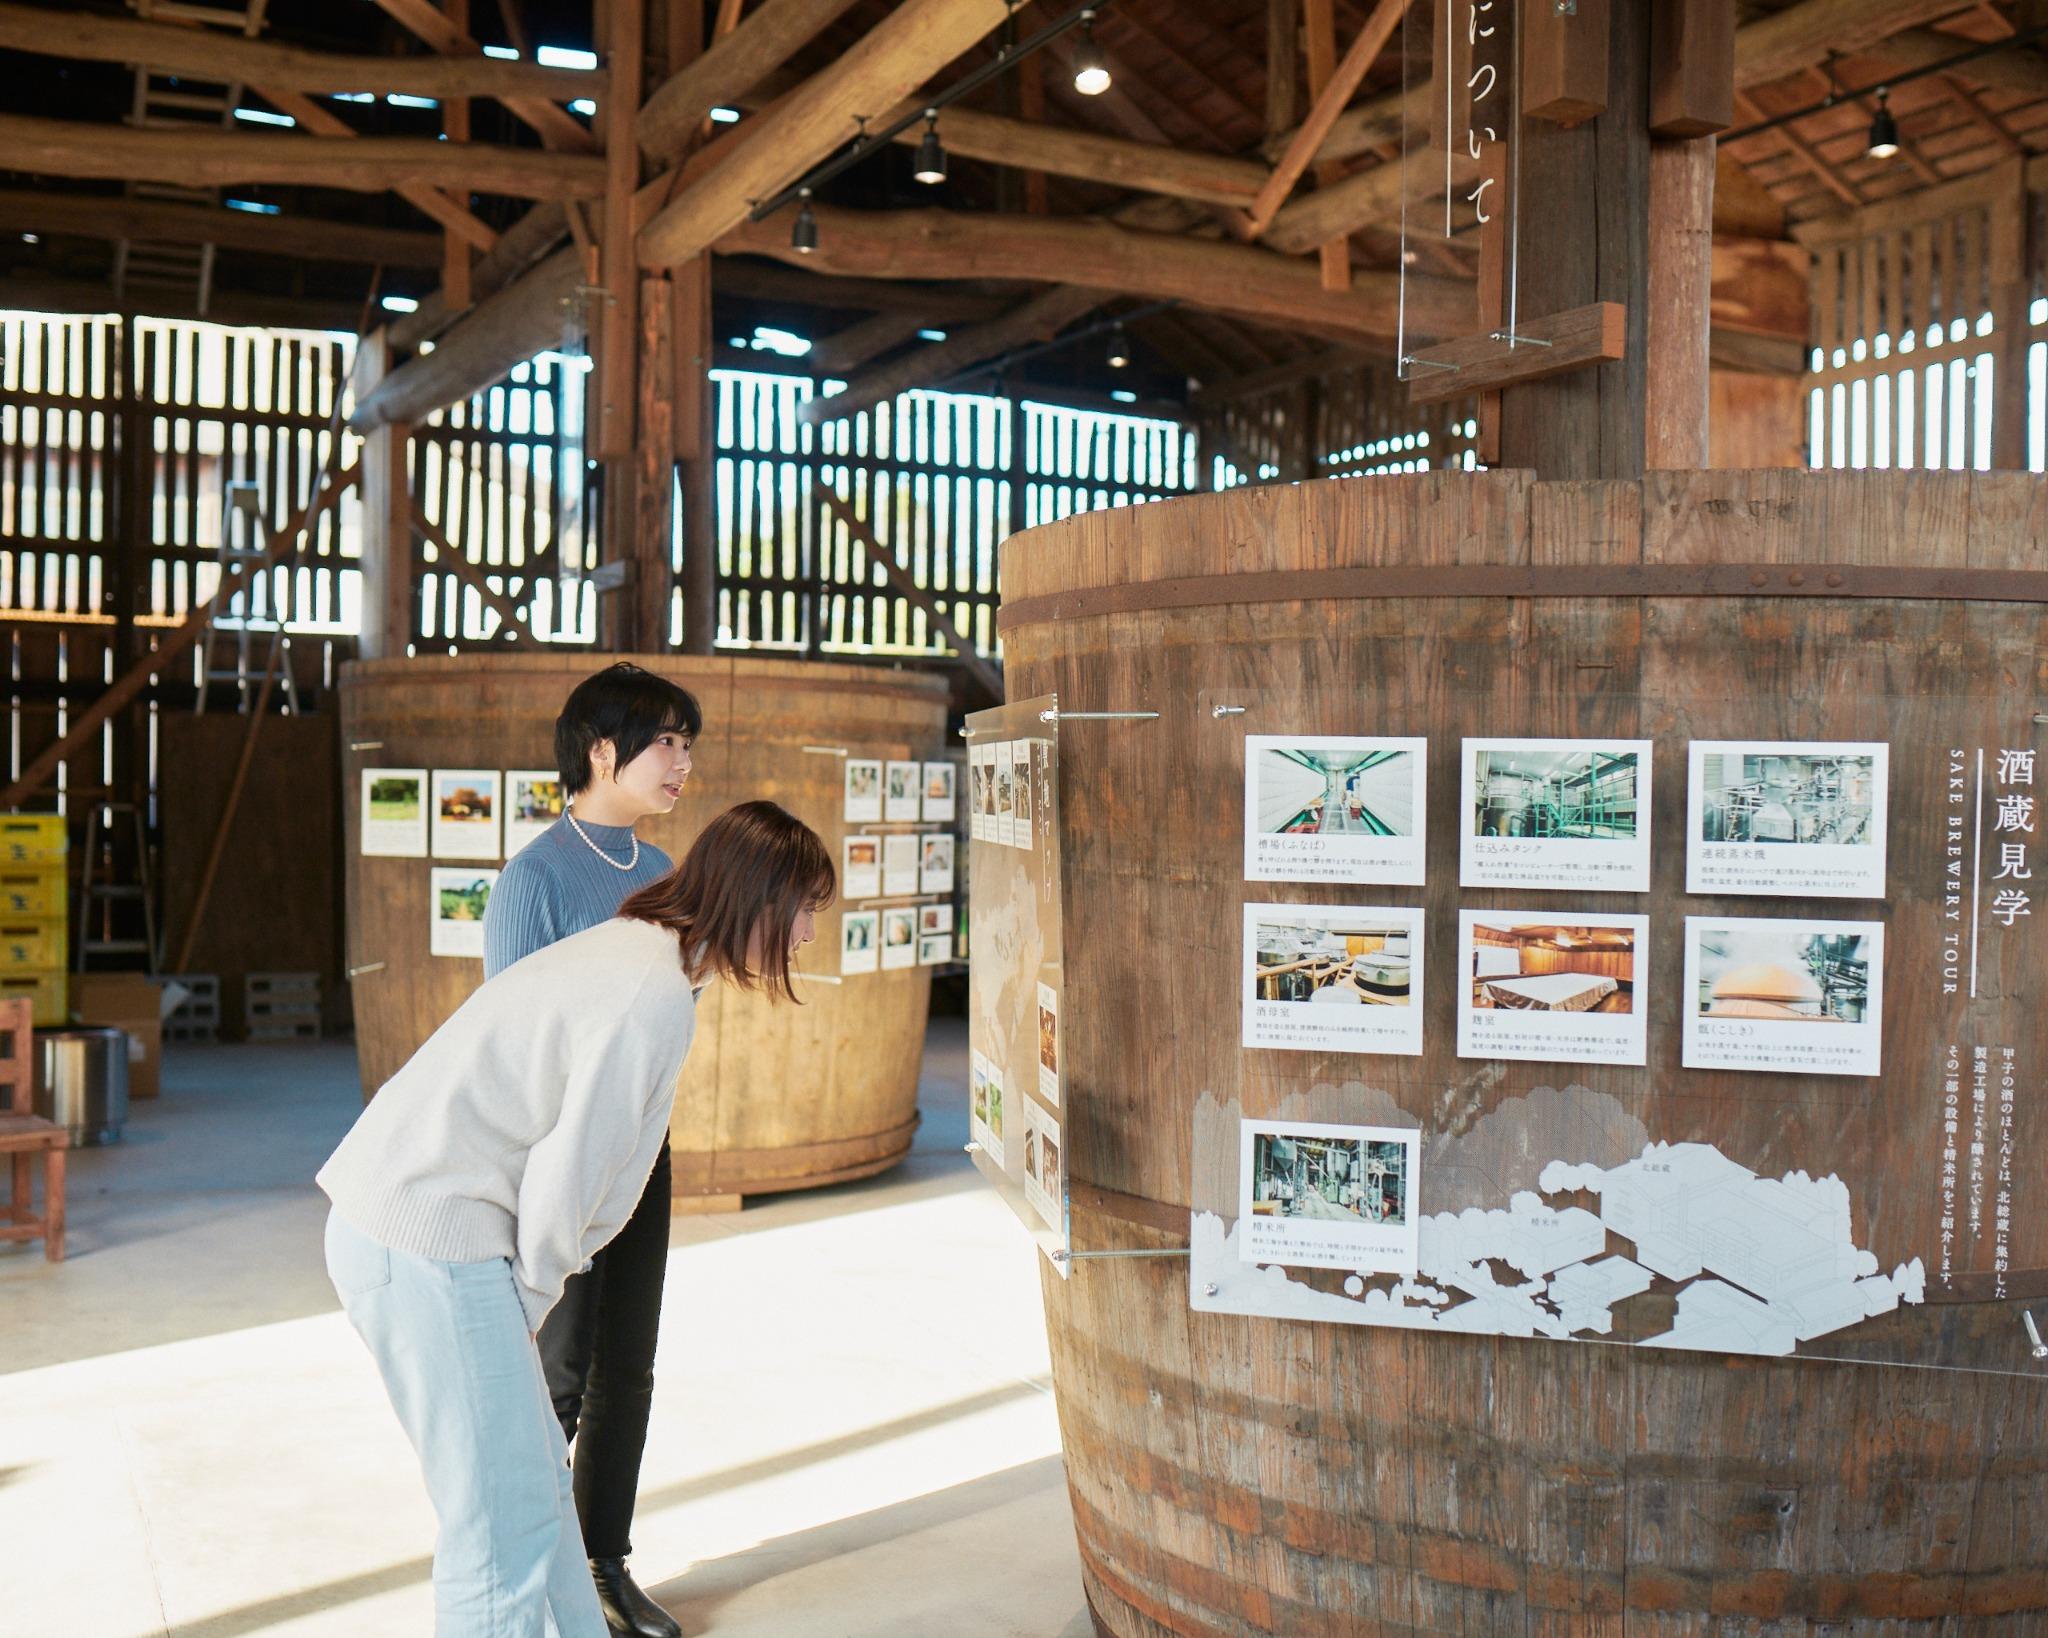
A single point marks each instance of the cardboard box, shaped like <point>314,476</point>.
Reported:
<point>135,1004</point>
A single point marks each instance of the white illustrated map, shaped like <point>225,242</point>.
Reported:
<point>1762,1264</point>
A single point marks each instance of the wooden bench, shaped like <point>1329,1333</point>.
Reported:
<point>25,1135</point>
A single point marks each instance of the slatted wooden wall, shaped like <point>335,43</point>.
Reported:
<point>938,478</point>
<point>1348,423</point>
<point>1921,329</point>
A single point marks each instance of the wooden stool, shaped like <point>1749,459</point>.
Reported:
<point>24,1134</point>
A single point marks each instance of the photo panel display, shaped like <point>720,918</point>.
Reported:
<point>1555,815</point>
<point>899,938</point>
<point>1049,1044</point>
<point>1023,768</point>
<point>1327,808</point>
<point>1319,1195</point>
<point>902,792</point>
<point>1043,1163</point>
<point>860,938</point>
<point>937,802</point>
<point>1792,996</point>
<point>863,791</point>
<point>393,813</point>
<point>900,854</point>
<point>985,1107</point>
<point>1567,987</point>
<point>457,898</point>
<point>860,873</point>
<point>533,802</point>
<point>1004,754</point>
<point>465,813</point>
<point>935,864</point>
<point>1789,818</point>
<point>1324,978</point>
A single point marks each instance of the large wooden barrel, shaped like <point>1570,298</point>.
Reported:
<point>1236,1476</point>
<point>773,1097</point>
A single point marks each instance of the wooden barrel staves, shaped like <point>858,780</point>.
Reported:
<point>1237,1475</point>
<point>773,1097</point>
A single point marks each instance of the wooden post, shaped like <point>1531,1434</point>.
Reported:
<point>2008,263</point>
<point>689,375</point>
<point>1585,239</point>
<point>387,518</point>
<point>1681,287</point>
<point>654,460</point>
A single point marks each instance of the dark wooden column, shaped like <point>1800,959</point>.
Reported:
<point>1585,237</point>
<point>388,550</point>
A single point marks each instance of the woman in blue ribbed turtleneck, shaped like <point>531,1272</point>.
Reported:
<point>622,744</point>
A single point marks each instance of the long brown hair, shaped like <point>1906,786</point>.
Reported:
<point>755,866</point>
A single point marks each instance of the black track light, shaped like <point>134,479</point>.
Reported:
<point>1884,130</point>
<point>1119,349</point>
<point>1091,72</point>
<point>930,167</point>
<point>803,233</point>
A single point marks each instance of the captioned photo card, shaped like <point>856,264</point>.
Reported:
<point>938,791</point>
<point>1552,987</point>
<point>1557,815</point>
<point>860,874</point>
<point>860,938</point>
<point>1333,978</point>
<point>1789,818</point>
<point>863,791</point>
<point>1327,808</point>
<point>1787,996</point>
<point>1316,1195</point>
<point>901,797</point>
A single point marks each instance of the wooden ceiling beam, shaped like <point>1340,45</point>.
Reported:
<point>895,58</point>
<point>1039,319</point>
<point>1088,156</point>
<point>203,157</point>
<point>1280,291</point>
<point>862,342</point>
<point>1369,198</point>
<point>214,55</point>
<point>939,304</point>
<point>753,50</point>
<point>320,120</point>
<point>117,216</point>
<point>518,248</point>
<point>555,126</point>
<point>1306,142</point>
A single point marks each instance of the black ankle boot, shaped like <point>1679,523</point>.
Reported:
<point>628,1611</point>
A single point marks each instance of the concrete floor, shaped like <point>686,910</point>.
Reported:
<point>853,1437</point>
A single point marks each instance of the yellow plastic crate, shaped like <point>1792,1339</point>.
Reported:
<point>31,946</point>
<point>32,838</point>
<point>44,990</point>
<point>36,892</point>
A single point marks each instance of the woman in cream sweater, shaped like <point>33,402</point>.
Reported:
<point>501,1158</point>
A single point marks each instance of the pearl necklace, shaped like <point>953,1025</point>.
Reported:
<point>569,813</point>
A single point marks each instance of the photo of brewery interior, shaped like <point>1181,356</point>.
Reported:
<point>1334,961</point>
<point>1325,1179</point>
<point>1335,793</point>
<point>1549,966</point>
<point>1786,976</point>
<point>1776,797</point>
<point>1578,795</point>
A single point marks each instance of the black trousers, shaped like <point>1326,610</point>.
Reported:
<point>597,1349</point>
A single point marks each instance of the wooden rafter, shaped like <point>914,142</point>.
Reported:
<point>2000,133</point>
<point>1808,155</point>
<point>555,127</point>
<point>1039,319</point>
<point>751,51</point>
<point>889,63</point>
<point>1813,30</point>
<point>213,54</point>
<point>1280,291</point>
<point>117,216</point>
<point>319,120</point>
<point>1348,75</point>
<point>201,157</point>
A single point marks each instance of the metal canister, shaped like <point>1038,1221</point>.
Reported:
<point>81,1082</point>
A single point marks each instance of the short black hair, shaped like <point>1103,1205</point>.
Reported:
<point>625,704</point>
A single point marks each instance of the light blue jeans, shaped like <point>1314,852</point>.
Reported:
<point>451,1342</point>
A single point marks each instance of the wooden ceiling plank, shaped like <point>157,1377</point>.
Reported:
<point>1801,35</point>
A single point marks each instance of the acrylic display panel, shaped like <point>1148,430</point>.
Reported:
<point>1831,1144</point>
<point>1016,997</point>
